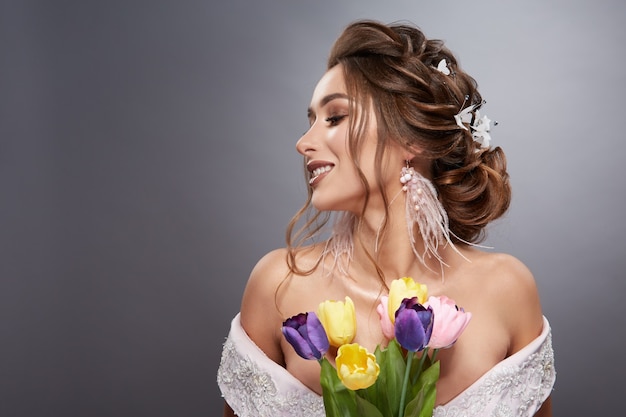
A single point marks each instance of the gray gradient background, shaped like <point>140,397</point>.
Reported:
<point>147,161</point>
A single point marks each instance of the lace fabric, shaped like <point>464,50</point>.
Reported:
<point>515,387</point>
<point>255,386</point>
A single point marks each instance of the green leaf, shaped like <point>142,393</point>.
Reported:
<point>339,401</point>
<point>371,395</point>
<point>365,408</point>
<point>428,379</point>
<point>396,365</point>
<point>425,393</point>
<point>415,407</point>
<point>389,384</point>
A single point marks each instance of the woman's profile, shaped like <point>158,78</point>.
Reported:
<point>402,182</point>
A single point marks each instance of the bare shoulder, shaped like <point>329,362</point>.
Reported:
<point>271,295</point>
<point>260,317</point>
<point>266,275</point>
<point>506,272</point>
<point>512,290</point>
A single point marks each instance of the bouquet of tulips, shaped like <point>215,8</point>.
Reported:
<point>397,380</point>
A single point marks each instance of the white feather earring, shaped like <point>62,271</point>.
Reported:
<point>424,209</point>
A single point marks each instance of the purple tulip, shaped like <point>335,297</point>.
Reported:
<point>414,324</point>
<point>306,334</point>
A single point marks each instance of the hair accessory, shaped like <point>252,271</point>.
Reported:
<point>424,209</point>
<point>443,67</point>
<point>478,126</point>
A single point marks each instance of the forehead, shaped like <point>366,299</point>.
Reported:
<point>332,82</point>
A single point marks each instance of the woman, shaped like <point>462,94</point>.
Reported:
<point>394,104</point>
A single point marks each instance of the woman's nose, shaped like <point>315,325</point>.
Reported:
<point>306,142</point>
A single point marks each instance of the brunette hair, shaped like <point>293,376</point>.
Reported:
<point>392,69</point>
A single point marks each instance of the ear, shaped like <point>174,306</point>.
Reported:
<point>409,153</point>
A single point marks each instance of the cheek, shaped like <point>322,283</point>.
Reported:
<point>337,140</point>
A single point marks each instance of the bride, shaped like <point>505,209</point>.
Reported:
<point>394,103</point>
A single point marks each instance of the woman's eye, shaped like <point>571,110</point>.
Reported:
<point>334,120</point>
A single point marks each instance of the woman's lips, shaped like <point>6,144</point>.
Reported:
<point>318,170</point>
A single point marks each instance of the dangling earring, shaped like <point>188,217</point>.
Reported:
<point>424,209</point>
<point>341,246</point>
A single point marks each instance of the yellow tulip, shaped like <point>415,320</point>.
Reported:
<point>404,288</point>
<point>339,321</point>
<point>356,367</point>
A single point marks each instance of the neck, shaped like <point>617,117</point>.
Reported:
<point>389,245</point>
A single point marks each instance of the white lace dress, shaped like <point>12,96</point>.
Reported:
<point>255,386</point>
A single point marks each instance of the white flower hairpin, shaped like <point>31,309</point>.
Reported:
<point>478,126</point>
<point>480,130</point>
<point>443,67</point>
<point>470,116</point>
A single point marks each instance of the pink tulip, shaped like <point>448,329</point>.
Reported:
<point>385,321</point>
<point>450,321</point>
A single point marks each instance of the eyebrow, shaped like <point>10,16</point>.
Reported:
<point>327,99</point>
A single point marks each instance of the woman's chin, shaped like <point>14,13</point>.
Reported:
<point>322,206</point>
<point>327,205</point>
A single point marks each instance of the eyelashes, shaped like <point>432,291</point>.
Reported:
<point>331,120</point>
<point>334,120</point>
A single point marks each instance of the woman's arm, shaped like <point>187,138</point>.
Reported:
<point>546,408</point>
<point>260,317</point>
<point>228,412</point>
<point>524,314</point>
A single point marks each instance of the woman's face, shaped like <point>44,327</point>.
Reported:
<point>334,178</point>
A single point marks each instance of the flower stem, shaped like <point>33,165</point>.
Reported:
<point>420,366</point>
<point>434,355</point>
<point>405,383</point>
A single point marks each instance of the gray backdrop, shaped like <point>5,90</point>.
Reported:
<point>147,161</point>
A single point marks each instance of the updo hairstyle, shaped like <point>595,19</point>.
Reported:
<point>394,67</point>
